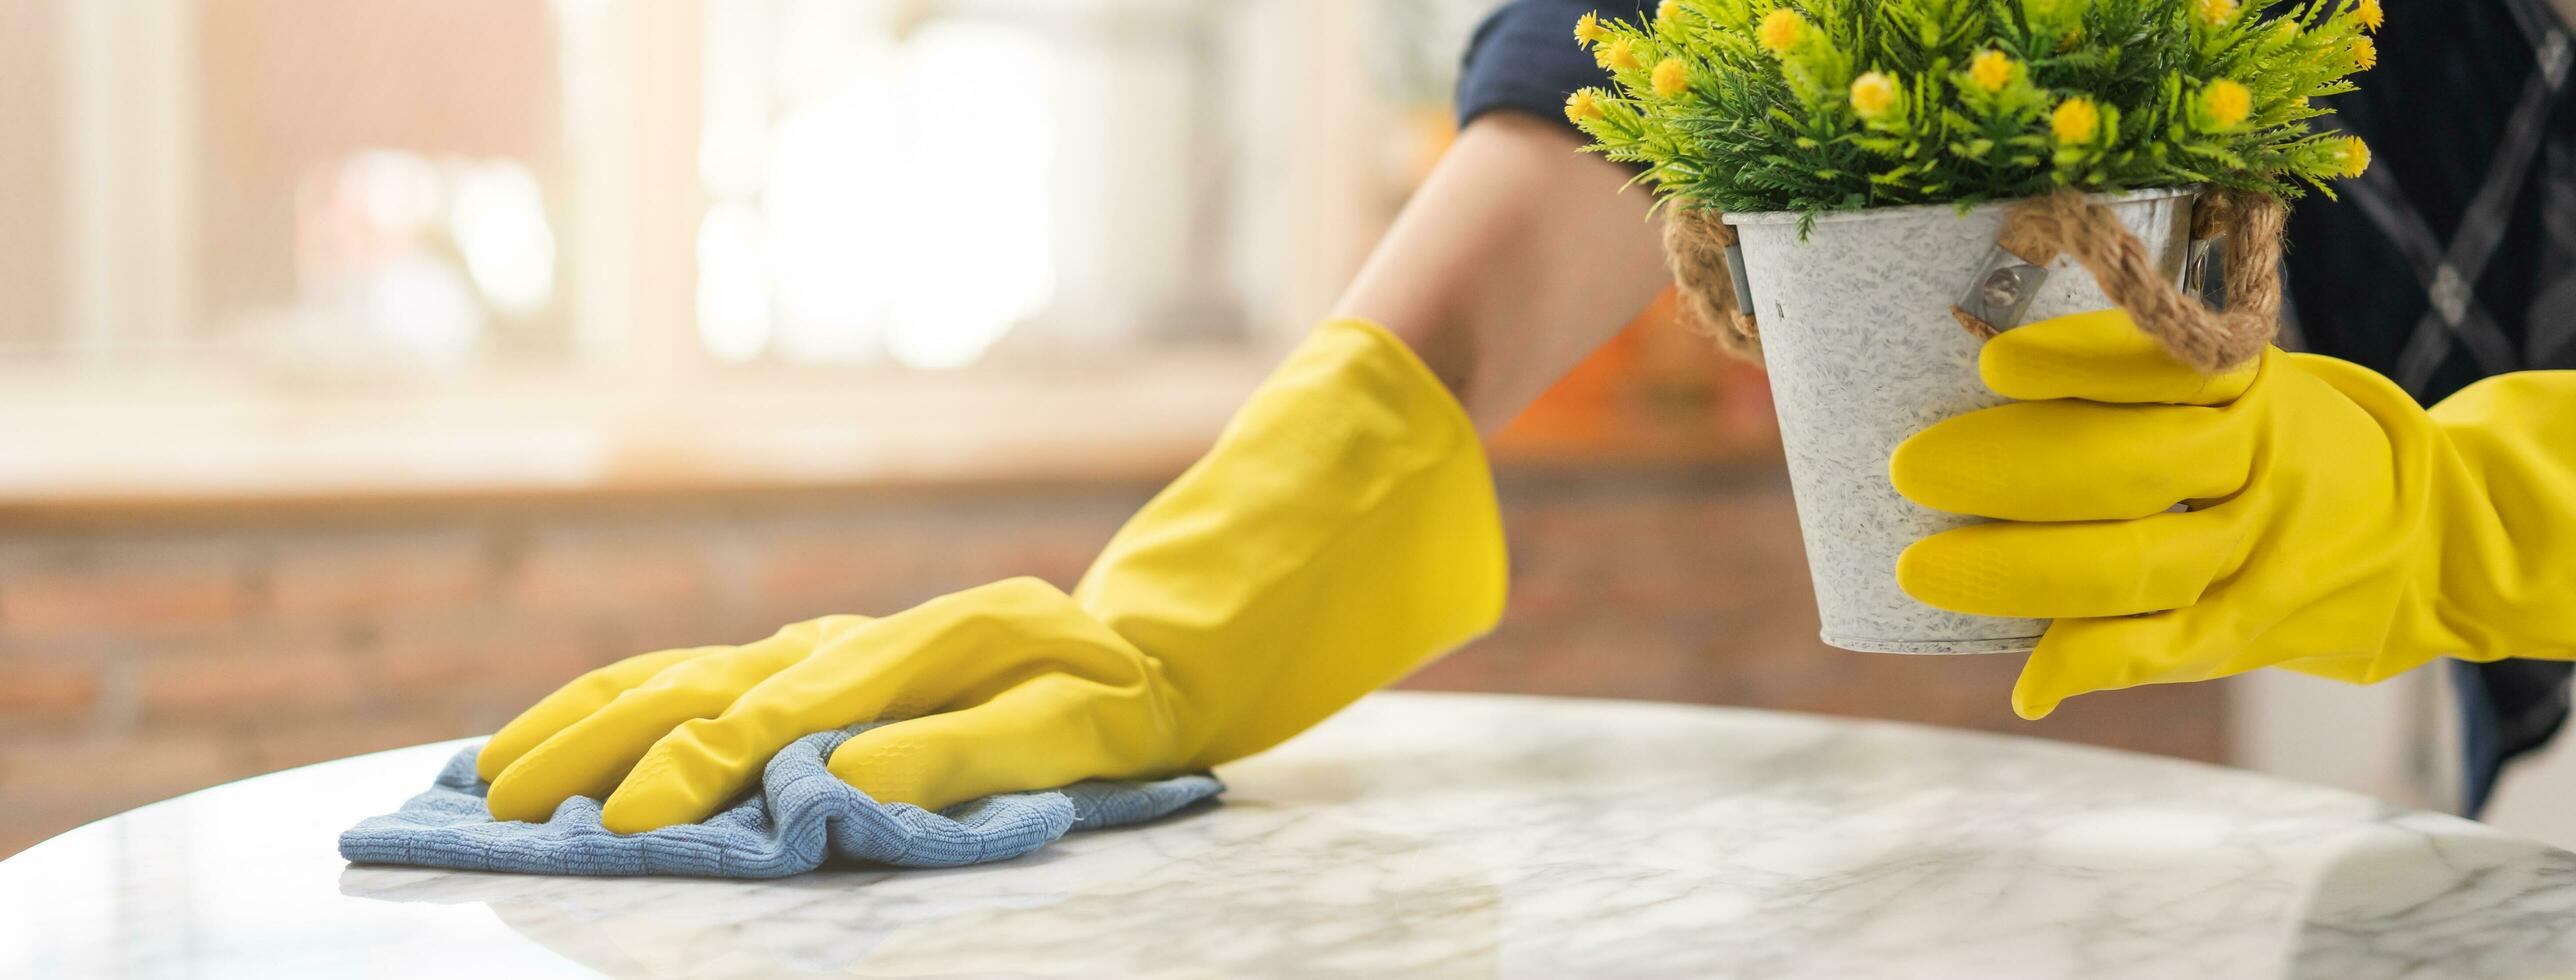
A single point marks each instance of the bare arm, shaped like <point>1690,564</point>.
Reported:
<point>1516,258</point>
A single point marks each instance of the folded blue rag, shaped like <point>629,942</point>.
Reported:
<point>802,815</point>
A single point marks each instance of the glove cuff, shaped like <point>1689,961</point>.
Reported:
<point>1342,532</point>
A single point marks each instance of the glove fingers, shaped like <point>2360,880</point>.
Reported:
<point>589,756</point>
<point>2081,656</point>
<point>573,702</point>
<point>2099,356</point>
<point>2058,571</point>
<point>1053,730</point>
<point>959,649</point>
<point>2074,460</point>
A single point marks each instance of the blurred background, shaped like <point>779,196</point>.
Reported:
<point>369,367</point>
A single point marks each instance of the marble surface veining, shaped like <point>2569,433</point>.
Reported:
<point>1438,835</point>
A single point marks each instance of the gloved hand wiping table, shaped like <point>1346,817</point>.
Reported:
<point>1342,531</point>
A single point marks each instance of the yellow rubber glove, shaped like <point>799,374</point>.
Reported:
<point>2335,527</point>
<point>1342,532</point>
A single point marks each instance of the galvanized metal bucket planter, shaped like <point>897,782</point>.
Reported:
<point>1864,350</point>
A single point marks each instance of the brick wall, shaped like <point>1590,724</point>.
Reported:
<point>143,657</point>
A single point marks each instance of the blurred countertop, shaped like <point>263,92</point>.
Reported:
<point>140,444</point>
<point>192,446</point>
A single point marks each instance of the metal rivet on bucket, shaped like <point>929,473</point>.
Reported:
<point>2204,271</point>
<point>2002,289</point>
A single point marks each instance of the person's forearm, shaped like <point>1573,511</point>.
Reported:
<point>1516,258</point>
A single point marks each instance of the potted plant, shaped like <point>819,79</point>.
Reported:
<point>1883,183</point>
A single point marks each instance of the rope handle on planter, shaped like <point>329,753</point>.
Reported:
<point>1701,249</point>
<point>1699,246</point>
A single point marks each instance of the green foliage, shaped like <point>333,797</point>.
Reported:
<point>1829,105</point>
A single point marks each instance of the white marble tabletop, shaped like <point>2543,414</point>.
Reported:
<point>1446,835</point>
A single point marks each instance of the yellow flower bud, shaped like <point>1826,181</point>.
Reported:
<point>1619,55</point>
<point>2215,12</point>
<point>1671,79</point>
<point>1872,94</point>
<point>2227,102</point>
<point>2352,157</point>
<point>1589,31</point>
<point>1782,30</point>
<point>2365,53</point>
<point>1668,9</point>
<point>1991,70</point>
<point>1582,105</point>
<point>2371,15</point>
<point>2076,121</point>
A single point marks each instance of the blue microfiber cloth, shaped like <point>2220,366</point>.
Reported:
<point>801,816</point>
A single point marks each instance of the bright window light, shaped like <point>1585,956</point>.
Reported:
<point>733,283</point>
<point>886,223</point>
<point>498,217</point>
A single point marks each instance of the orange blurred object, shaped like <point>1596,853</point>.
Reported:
<point>1657,392</point>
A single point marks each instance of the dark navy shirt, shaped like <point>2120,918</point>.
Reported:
<point>2453,259</point>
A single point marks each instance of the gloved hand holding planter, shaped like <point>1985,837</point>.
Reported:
<point>2171,498</point>
<point>2333,526</point>
<point>1863,191</point>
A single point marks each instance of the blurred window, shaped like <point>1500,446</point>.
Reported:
<point>899,181</point>
<point>275,247</point>
<point>321,186</point>
<point>300,179</point>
